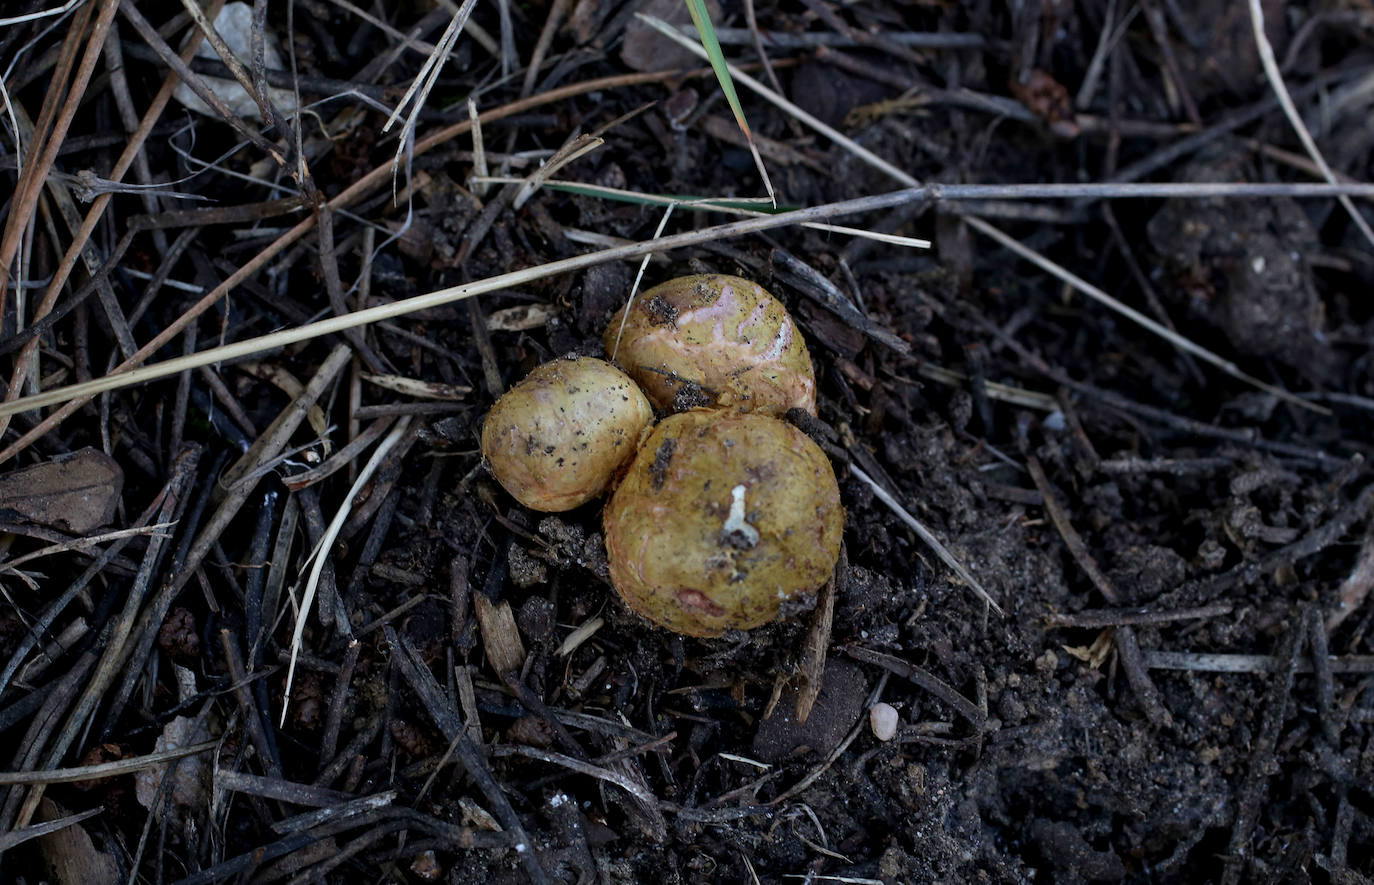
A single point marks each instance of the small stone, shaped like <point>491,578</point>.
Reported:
<point>883,719</point>
<point>426,866</point>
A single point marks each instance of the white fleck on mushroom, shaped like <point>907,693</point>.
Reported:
<point>735,527</point>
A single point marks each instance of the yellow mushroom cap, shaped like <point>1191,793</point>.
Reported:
<point>562,436</point>
<point>726,334</point>
<point>722,517</point>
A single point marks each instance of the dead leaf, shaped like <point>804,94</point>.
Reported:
<point>192,774</point>
<point>235,24</point>
<point>475,815</point>
<point>812,663</point>
<point>585,21</point>
<point>645,49</point>
<point>77,492</point>
<point>71,854</point>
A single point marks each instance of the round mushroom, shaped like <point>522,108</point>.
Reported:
<point>722,519</point>
<point>564,434</point>
<point>717,341</point>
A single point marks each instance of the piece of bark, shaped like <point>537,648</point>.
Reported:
<point>812,663</point>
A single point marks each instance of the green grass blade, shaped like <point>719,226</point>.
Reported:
<point>702,19</point>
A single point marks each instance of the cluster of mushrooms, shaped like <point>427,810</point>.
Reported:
<point>719,513</point>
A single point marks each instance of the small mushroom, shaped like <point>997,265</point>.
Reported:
<point>562,436</point>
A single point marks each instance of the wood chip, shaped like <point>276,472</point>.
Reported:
<point>417,388</point>
<point>500,636</point>
<point>812,664</point>
<point>521,318</point>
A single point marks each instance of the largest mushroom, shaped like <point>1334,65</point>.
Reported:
<point>723,518</point>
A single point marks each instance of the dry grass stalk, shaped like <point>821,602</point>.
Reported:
<point>321,554</point>
<point>989,230</point>
<point>350,195</point>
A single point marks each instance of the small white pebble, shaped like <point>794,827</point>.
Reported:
<point>883,718</point>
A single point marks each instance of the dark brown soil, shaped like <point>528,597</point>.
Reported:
<point>1180,686</point>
